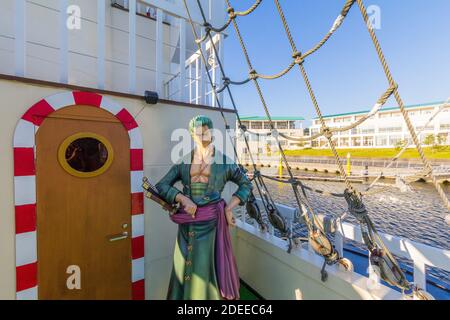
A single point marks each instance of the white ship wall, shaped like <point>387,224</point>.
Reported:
<point>43,37</point>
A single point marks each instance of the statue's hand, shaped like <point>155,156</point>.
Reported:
<point>230,217</point>
<point>189,206</point>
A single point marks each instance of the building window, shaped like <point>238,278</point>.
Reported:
<point>382,141</point>
<point>427,111</point>
<point>428,128</point>
<point>282,125</point>
<point>344,142</point>
<point>394,140</point>
<point>257,125</point>
<point>367,130</point>
<point>368,141</point>
<point>390,129</point>
<point>356,142</point>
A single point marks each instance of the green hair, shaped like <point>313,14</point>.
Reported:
<point>200,121</point>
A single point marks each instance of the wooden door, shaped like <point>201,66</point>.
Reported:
<point>78,217</point>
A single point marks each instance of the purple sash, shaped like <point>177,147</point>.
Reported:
<point>227,271</point>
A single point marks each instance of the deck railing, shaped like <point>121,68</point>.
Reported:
<point>421,255</point>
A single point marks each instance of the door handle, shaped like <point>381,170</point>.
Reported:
<point>121,236</point>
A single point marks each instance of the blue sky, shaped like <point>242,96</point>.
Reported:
<point>345,73</point>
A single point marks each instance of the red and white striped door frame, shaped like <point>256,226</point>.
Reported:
<point>25,188</point>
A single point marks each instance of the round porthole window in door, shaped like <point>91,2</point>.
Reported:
<point>85,155</point>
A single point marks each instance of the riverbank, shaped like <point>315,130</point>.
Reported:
<point>358,167</point>
<point>441,153</point>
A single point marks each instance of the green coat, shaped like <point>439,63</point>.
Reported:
<point>223,169</point>
<point>194,274</point>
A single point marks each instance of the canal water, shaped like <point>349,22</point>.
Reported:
<point>417,215</point>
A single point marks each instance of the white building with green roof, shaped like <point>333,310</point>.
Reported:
<point>387,128</point>
<point>258,127</point>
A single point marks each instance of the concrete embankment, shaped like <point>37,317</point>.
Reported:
<point>359,168</point>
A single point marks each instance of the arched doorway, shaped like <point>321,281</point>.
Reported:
<point>79,230</point>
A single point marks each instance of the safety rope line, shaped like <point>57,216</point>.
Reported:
<point>376,108</point>
<point>326,131</point>
<point>315,229</point>
<point>352,196</point>
<point>380,256</point>
<point>232,14</point>
<point>403,110</point>
<point>337,24</point>
<point>255,75</point>
<point>266,198</point>
<point>269,204</point>
<point>367,191</point>
<point>323,192</point>
<point>297,56</point>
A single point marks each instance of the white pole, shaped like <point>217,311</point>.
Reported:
<point>214,78</point>
<point>203,70</point>
<point>197,80</point>
<point>182,59</point>
<point>20,42</point>
<point>132,47</point>
<point>190,82</point>
<point>222,58</point>
<point>101,7</point>
<point>159,51</point>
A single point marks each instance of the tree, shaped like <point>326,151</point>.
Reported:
<point>400,144</point>
<point>429,140</point>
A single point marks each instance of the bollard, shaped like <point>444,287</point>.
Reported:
<point>349,166</point>
<point>366,173</point>
<point>280,167</point>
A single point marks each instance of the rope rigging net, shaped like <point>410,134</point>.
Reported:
<point>381,259</point>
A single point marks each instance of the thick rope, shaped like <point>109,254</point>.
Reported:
<point>353,197</point>
<point>403,110</point>
<point>231,16</point>
<point>259,182</point>
<point>327,133</point>
<point>298,58</point>
<point>336,25</point>
<point>312,225</point>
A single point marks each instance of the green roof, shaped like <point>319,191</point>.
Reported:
<point>257,118</point>
<point>383,109</point>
